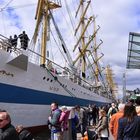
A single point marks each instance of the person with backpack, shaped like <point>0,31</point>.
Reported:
<point>64,122</point>
<point>54,123</point>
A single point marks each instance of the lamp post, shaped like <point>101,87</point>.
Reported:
<point>124,87</point>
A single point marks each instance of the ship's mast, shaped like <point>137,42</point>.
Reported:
<point>109,77</point>
<point>81,39</point>
<point>95,52</point>
<point>42,15</point>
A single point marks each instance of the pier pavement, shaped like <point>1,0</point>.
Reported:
<point>45,135</point>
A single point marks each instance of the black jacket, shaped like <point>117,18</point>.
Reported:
<point>8,133</point>
<point>129,130</point>
<point>25,135</point>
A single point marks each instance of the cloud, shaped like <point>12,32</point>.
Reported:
<point>12,16</point>
<point>116,18</point>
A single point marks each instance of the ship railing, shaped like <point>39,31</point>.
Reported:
<point>65,72</point>
<point>7,46</point>
<point>4,43</point>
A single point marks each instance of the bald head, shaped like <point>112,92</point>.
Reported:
<point>121,107</point>
<point>4,119</point>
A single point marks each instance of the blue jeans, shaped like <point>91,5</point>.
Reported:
<point>56,135</point>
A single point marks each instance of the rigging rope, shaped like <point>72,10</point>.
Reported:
<point>69,13</point>
<point>53,75</point>
<point>3,22</point>
<point>60,83</point>
<point>58,46</point>
<point>63,44</point>
<point>6,5</point>
<point>71,30</point>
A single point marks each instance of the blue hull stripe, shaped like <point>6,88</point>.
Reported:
<point>14,94</point>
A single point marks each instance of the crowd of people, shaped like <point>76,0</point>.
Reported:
<point>122,121</point>
<point>13,41</point>
<point>9,132</point>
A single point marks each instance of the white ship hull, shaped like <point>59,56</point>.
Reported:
<point>27,95</point>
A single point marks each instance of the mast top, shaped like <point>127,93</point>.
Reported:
<point>51,4</point>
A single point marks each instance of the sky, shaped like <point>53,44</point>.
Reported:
<point>116,18</point>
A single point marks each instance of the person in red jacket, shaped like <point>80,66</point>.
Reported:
<point>113,124</point>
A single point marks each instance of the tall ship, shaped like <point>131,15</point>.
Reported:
<point>31,78</point>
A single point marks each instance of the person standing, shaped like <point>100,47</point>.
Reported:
<point>54,122</point>
<point>94,114</point>
<point>24,40</point>
<point>73,122</point>
<point>102,126</point>
<point>7,130</point>
<point>64,122</point>
<point>113,124</point>
<point>80,115</point>
<point>129,124</point>
<point>9,48</point>
<point>112,110</point>
<point>14,42</point>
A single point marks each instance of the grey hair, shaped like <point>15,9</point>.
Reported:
<point>121,106</point>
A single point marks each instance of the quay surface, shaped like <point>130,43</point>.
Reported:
<point>45,135</point>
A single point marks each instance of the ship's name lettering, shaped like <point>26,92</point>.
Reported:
<point>54,88</point>
<point>3,72</point>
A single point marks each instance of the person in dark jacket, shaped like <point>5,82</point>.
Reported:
<point>23,133</point>
<point>53,121</point>
<point>7,130</point>
<point>24,40</point>
<point>73,122</point>
<point>129,125</point>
